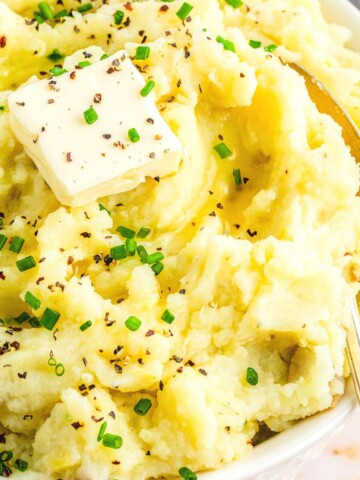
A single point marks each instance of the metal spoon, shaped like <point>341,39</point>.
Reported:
<point>327,103</point>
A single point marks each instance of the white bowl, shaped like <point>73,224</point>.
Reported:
<point>283,457</point>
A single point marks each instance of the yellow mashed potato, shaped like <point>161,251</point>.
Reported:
<point>258,276</point>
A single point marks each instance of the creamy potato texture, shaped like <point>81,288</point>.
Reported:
<point>258,275</point>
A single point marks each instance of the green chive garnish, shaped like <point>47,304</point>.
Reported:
<point>255,44</point>
<point>118,17</point>
<point>62,13</point>
<point>112,441</point>
<point>237,176</point>
<point>227,44</point>
<point>39,18</point>
<point>142,53</point>
<point>52,362</point>
<point>84,64</point>
<point>85,325</point>
<point>104,56</point>
<point>155,257</point>
<point>157,268</point>
<point>101,207</point>
<point>31,300</point>
<point>270,48</point>
<point>85,8</point>
<point>252,377</point>
<point>141,251</point>
<point>21,465</point>
<point>16,244</point>
<point>143,232</point>
<point>187,474</point>
<point>57,71</point>
<point>49,318</point>
<point>168,317</point>
<point>102,431</point>
<point>133,323</point>
<point>34,322</point>
<point>46,11</point>
<point>23,317</point>
<point>144,92</point>
<point>5,456</point>
<point>184,10</point>
<point>222,150</point>
<point>59,370</point>
<point>26,264</point>
<point>55,56</point>
<point>119,252</point>
<point>126,232</point>
<point>130,245</point>
<point>143,406</point>
<point>235,3</point>
<point>3,240</point>
<point>2,109</point>
<point>133,135</point>
<point>90,116</point>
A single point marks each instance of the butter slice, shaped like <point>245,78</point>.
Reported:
<point>82,162</point>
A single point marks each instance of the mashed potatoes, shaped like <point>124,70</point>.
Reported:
<point>258,276</point>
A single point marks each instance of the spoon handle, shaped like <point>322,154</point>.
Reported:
<point>353,347</point>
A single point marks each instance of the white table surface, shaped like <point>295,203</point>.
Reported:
<point>341,459</point>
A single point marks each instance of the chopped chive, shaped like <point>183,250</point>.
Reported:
<point>227,44</point>
<point>102,431</point>
<point>39,18</point>
<point>142,53</point>
<point>57,71</point>
<point>112,441</point>
<point>5,456</point>
<point>143,232</point>
<point>141,251</point>
<point>104,56</point>
<point>46,11</point>
<point>55,55</point>
<point>90,116</point>
<point>252,377</point>
<point>255,44</point>
<point>59,370</point>
<point>49,318</point>
<point>21,465</point>
<point>52,362</point>
<point>2,109</point>
<point>130,245</point>
<point>118,17</point>
<point>119,252</point>
<point>168,317</point>
<point>85,8</point>
<point>157,268</point>
<point>133,135</point>
<point>84,64</point>
<point>101,207</point>
<point>270,48</point>
<point>26,264</point>
<point>184,10</point>
<point>31,300</point>
<point>187,474</point>
<point>85,325</point>
<point>126,232</point>
<point>237,176</point>
<point>23,317</point>
<point>3,240</point>
<point>1,219</point>
<point>144,92</point>
<point>143,406</point>
<point>222,150</point>
<point>16,244</point>
<point>155,257</point>
<point>235,3</point>
<point>133,323</point>
<point>62,13</point>
<point>34,322</point>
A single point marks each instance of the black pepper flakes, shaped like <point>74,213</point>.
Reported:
<point>176,359</point>
<point>203,372</point>
<point>77,425</point>
<point>118,368</point>
<point>22,375</point>
<point>85,234</point>
<point>118,349</point>
<point>68,157</point>
<point>252,234</point>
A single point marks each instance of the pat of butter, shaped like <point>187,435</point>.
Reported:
<point>82,162</point>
